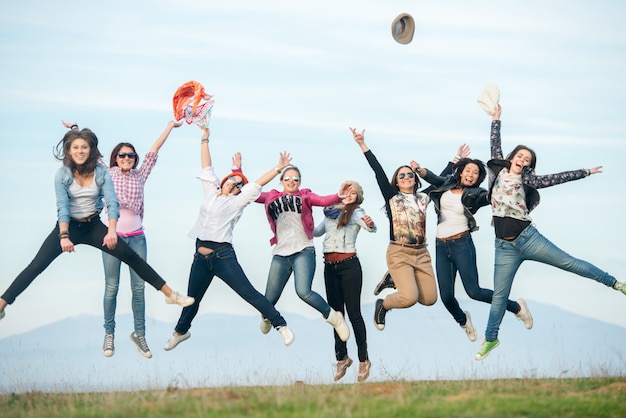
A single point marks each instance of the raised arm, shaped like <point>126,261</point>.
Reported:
<point>163,137</point>
<point>359,137</point>
<point>283,161</point>
<point>495,141</point>
<point>205,154</point>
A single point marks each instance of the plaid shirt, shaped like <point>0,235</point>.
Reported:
<point>129,187</point>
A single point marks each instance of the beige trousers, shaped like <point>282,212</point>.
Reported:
<point>413,275</point>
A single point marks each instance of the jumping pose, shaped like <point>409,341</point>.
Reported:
<point>290,216</point>
<point>81,184</point>
<point>408,259</point>
<point>513,195</point>
<point>223,205</point>
<point>342,272</point>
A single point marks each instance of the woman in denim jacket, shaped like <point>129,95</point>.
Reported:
<point>457,197</point>
<point>513,195</point>
<point>221,209</point>
<point>289,213</point>
<point>81,184</point>
<point>343,276</point>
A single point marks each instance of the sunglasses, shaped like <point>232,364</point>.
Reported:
<point>238,184</point>
<point>410,175</point>
<point>294,178</point>
<point>123,155</point>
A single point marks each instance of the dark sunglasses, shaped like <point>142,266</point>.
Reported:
<point>410,175</point>
<point>238,184</point>
<point>123,155</point>
<point>294,178</point>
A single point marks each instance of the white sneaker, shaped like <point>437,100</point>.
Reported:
<point>266,325</point>
<point>108,348</point>
<point>336,320</point>
<point>524,314</point>
<point>176,339</point>
<point>469,327</point>
<point>178,299</point>
<point>287,335</point>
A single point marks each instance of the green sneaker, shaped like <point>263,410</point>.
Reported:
<point>486,348</point>
<point>620,287</point>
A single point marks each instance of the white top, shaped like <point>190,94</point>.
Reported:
<point>83,199</point>
<point>291,236</point>
<point>218,213</point>
<point>452,220</point>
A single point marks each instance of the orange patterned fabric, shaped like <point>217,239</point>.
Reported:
<point>189,94</point>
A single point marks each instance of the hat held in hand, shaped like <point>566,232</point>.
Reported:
<point>489,99</point>
<point>402,28</point>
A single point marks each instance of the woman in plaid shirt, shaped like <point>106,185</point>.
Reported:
<point>129,182</point>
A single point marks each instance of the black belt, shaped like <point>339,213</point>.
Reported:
<point>88,218</point>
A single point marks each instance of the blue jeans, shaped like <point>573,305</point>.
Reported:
<point>112,267</point>
<point>530,245</point>
<point>459,255</point>
<point>222,262</point>
<point>344,281</point>
<point>302,265</point>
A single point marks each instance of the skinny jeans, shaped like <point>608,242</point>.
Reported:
<point>459,255</point>
<point>222,262</point>
<point>302,265</point>
<point>112,266</point>
<point>90,233</point>
<point>344,281</point>
<point>530,245</point>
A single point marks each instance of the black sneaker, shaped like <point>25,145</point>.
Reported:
<point>379,315</point>
<point>385,283</point>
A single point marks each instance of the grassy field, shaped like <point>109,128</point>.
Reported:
<point>588,397</point>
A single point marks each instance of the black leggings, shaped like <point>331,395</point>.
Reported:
<point>344,281</point>
<point>90,233</point>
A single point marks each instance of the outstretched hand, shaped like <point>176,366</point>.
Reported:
<point>237,160</point>
<point>344,189</point>
<point>284,160</point>
<point>359,137</point>
<point>68,125</point>
<point>595,170</point>
<point>464,151</point>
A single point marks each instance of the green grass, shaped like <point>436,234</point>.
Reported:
<point>584,397</point>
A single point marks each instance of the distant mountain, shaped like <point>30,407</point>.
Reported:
<point>419,343</point>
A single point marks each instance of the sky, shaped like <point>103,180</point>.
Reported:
<point>295,76</point>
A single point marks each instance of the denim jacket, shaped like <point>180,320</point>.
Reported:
<point>64,178</point>
<point>342,240</point>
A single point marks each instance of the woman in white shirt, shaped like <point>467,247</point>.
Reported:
<point>221,208</point>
